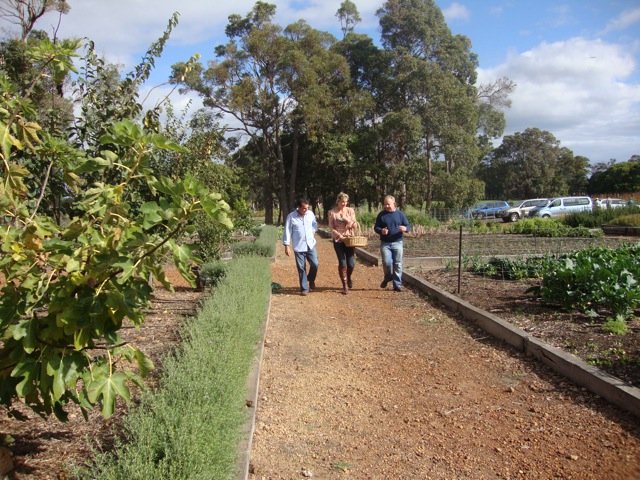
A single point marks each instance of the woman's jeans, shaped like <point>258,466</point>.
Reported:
<point>310,256</point>
<point>346,255</point>
<point>391,253</point>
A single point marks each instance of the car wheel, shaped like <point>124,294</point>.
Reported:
<point>546,215</point>
<point>514,217</point>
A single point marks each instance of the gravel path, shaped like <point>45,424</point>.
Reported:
<point>384,385</point>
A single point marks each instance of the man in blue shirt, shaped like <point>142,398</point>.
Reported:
<point>391,224</point>
<point>299,233</point>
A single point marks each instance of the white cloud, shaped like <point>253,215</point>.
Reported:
<point>123,29</point>
<point>456,11</point>
<point>625,20</point>
<point>579,90</point>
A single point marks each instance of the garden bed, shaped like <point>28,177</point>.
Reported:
<point>45,448</point>
<point>510,300</point>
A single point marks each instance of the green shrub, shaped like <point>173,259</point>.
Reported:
<point>616,326</point>
<point>549,227</point>
<point>190,427</point>
<point>595,280</point>
<point>212,272</point>
<point>263,246</point>
<point>419,218</point>
<point>366,219</point>
<point>510,268</point>
<point>630,220</point>
<point>211,238</point>
<point>598,217</point>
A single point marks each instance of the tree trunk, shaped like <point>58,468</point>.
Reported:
<point>294,169</point>
<point>429,180</point>
<point>285,206</point>
<point>267,199</point>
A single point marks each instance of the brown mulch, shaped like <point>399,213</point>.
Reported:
<point>570,331</point>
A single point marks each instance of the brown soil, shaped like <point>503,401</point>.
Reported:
<point>378,385</point>
<point>384,385</point>
<point>573,332</point>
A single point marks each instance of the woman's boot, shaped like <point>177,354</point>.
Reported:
<point>342,271</point>
<point>349,272</point>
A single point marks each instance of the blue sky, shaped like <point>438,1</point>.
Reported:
<point>576,63</point>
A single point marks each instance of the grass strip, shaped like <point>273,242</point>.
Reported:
<point>190,427</point>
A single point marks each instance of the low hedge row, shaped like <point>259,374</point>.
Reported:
<point>263,246</point>
<point>190,426</point>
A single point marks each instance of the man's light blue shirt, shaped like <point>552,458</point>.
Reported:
<point>300,230</point>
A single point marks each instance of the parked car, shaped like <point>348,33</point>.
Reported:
<point>522,210</point>
<point>612,203</point>
<point>488,209</point>
<point>562,206</point>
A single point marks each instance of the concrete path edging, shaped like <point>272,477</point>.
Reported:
<point>574,369</point>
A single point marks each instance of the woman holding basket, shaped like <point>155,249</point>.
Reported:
<point>342,221</point>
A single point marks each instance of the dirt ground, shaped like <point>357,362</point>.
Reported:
<point>575,333</point>
<point>384,385</point>
<point>377,385</point>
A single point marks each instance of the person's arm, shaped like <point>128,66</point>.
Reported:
<point>351,218</point>
<point>335,234</point>
<point>405,223</point>
<point>377,227</point>
<point>286,236</point>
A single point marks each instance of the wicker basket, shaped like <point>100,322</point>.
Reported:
<point>357,240</point>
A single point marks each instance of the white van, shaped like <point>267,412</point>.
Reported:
<point>563,205</point>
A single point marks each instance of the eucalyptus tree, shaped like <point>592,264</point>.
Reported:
<point>349,16</point>
<point>533,164</point>
<point>493,99</point>
<point>369,70</point>
<point>272,84</point>
<point>434,75</point>
<point>25,13</point>
<point>623,177</point>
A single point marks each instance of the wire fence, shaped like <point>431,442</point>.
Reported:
<point>444,257</point>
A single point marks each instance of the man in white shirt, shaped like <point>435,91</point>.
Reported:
<point>299,234</point>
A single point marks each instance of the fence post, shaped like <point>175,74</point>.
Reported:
<point>459,259</point>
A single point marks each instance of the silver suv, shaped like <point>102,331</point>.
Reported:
<point>514,214</point>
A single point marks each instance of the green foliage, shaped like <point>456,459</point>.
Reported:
<point>549,227</point>
<point>597,217</point>
<point>532,164</point>
<point>211,239</point>
<point>251,248</point>
<point>190,426</point>
<point>268,236</point>
<point>482,227</point>
<point>68,290</point>
<point>366,219</point>
<point>211,273</point>
<point>422,219</point>
<point>596,280</point>
<point>616,326</point>
<point>617,178</point>
<point>508,268</point>
<point>611,356</point>
<point>630,220</point>
<point>263,246</point>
